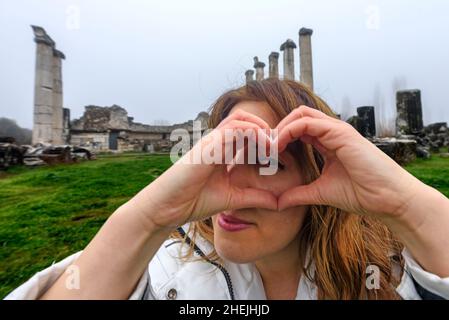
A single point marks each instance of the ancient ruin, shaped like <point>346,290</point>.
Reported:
<point>412,139</point>
<point>409,120</point>
<point>288,48</point>
<point>103,129</point>
<point>48,96</point>
<point>100,128</point>
<point>305,56</point>
<point>259,66</point>
<point>273,59</point>
<point>110,128</point>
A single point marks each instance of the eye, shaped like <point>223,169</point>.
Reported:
<point>281,166</point>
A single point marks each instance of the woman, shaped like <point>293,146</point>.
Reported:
<point>339,220</point>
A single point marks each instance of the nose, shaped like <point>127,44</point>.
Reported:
<point>248,176</point>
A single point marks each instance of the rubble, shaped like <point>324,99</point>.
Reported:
<point>10,153</point>
<point>402,151</point>
<point>40,154</point>
<point>413,139</point>
<point>49,154</point>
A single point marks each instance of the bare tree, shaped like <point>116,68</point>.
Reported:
<point>346,108</point>
<point>385,123</point>
<point>399,83</point>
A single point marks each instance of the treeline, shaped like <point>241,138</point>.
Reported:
<point>10,128</point>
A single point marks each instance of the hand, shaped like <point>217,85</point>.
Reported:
<point>357,176</point>
<point>189,191</point>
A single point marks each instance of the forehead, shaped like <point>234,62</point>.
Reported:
<point>259,109</point>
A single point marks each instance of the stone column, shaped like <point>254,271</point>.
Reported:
<point>367,123</point>
<point>249,75</point>
<point>409,120</point>
<point>66,125</point>
<point>43,87</point>
<point>48,114</point>
<point>305,56</point>
<point>288,48</point>
<point>273,65</point>
<point>259,66</point>
<point>58,117</point>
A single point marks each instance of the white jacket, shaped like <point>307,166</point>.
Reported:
<point>168,277</point>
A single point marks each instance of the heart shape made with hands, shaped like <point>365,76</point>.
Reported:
<point>307,125</point>
<point>357,177</point>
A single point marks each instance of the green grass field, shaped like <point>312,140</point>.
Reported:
<point>50,212</point>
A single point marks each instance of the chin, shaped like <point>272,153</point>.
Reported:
<point>235,251</point>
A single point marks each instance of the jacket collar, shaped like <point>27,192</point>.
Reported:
<point>245,281</point>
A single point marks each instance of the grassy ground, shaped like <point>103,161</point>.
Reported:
<point>50,212</point>
<point>434,172</point>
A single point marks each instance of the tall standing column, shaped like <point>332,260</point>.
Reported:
<point>305,56</point>
<point>273,65</point>
<point>288,48</point>
<point>58,116</point>
<point>249,75</point>
<point>43,87</point>
<point>48,113</point>
<point>259,66</point>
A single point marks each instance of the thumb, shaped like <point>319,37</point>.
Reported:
<point>303,195</point>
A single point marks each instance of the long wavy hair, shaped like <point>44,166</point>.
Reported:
<point>339,245</point>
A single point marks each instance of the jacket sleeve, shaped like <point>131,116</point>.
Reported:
<point>418,284</point>
<point>37,285</point>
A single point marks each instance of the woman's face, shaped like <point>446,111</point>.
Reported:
<point>261,233</point>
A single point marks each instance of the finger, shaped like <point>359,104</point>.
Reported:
<point>253,198</point>
<point>237,129</point>
<point>302,195</point>
<point>301,112</point>
<point>315,143</point>
<point>225,140</point>
<point>245,116</point>
<point>329,133</point>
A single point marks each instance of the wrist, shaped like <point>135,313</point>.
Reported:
<point>143,212</point>
<point>422,225</point>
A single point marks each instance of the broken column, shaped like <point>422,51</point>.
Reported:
<point>273,71</point>
<point>259,66</point>
<point>249,75</point>
<point>367,123</point>
<point>305,56</point>
<point>48,114</point>
<point>66,125</point>
<point>288,48</point>
<point>409,120</point>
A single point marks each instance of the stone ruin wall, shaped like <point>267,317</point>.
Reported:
<point>110,128</point>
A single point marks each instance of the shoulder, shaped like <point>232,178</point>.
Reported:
<point>172,275</point>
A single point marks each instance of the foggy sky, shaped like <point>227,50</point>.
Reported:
<point>171,59</point>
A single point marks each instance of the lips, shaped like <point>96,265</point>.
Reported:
<point>231,223</point>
